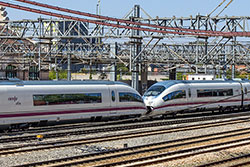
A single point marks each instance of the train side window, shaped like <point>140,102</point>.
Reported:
<point>113,95</point>
<point>225,92</point>
<point>245,90</point>
<point>175,95</point>
<point>59,99</point>
<point>128,97</point>
<point>214,92</point>
<point>204,93</point>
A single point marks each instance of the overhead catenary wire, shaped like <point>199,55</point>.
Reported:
<point>19,7</point>
<point>216,8</point>
<point>206,32</point>
<point>224,8</point>
<point>109,18</point>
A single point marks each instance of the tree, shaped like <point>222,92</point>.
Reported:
<point>179,76</point>
<point>62,74</point>
<point>122,68</point>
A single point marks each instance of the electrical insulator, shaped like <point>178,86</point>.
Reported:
<point>2,8</point>
<point>6,18</point>
<point>3,14</point>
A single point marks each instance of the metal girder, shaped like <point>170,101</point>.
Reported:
<point>54,37</point>
<point>152,53</point>
<point>50,29</point>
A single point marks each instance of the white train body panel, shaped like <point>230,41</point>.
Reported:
<point>27,102</point>
<point>170,97</point>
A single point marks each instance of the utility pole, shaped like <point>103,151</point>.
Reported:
<point>135,49</point>
<point>113,54</point>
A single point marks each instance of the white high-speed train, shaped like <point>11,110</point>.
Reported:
<point>171,97</point>
<point>32,102</point>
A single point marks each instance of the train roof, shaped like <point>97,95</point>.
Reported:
<point>61,82</point>
<point>169,83</point>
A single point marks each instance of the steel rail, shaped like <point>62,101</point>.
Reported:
<point>141,149</point>
<point>183,118</point>
<point>179,154</point>
<point>120,128</point>
<point>73,142</point>
<point>230,160</point>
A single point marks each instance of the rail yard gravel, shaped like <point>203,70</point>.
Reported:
<point>206,158</point>
<point>44,155</point>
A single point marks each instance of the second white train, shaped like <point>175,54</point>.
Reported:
<point>171,97</point>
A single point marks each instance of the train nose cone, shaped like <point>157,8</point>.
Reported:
<point>148,100</point>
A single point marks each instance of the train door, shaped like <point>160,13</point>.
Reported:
<point>188,96</point>
<point>191,96</point>
<point>241,93</point>
<point>246,96</point>
<point>113,100</point>
<point>188,93</point>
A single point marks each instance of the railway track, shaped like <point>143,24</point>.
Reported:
<point>66,126</point>
<point>243,160</point>
<point>73,126</point>
<point>120,128</point>
<point>158,152</point>
<point>128,135</point>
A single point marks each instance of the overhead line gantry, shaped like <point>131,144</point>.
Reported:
<point>177,30</point>
<point>134,28</point>
<point>113,19</point>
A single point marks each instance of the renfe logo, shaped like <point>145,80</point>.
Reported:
<point>14,98</point>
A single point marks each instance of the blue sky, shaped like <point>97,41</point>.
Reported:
<point>161,8</point>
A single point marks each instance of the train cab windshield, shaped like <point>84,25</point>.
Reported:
<point>155,90</point>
